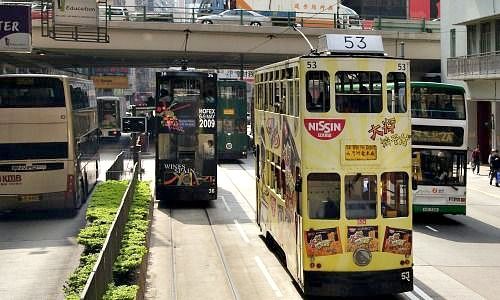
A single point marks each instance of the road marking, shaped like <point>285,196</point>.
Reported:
<point>225,203</point>
<point>411,295</point>
<point>242,233</point>
<point>269,279</point>
<point>433,229</point>
<point>491,195</point>
<point>421,293</point>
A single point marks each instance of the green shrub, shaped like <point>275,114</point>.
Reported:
<point>100,214</point>
<point>134,245</point>
<point>76,282</point>
<point>121,292</point>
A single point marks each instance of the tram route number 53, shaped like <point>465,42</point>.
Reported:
<point>405,276</point>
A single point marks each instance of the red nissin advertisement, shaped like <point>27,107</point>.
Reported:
<point>324,129</point>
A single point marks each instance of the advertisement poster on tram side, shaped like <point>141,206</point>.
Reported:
<point>323,242</point>
<point>290,163</point>
<point>397,241</point>
<point>365,237</point>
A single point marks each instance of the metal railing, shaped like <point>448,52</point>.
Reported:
<point>115,172</point>
<point>322,19</point>
<point>102,273</point>
<point>474,65</point>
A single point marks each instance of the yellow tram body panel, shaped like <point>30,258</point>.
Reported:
<point>306,156</point>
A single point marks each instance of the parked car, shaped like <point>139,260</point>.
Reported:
<point>37,9</point>
<point>152,17</point>
<point>236,16</point>
<point>113,13</point>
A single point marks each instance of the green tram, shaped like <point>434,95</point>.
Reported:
<point>232,138</point>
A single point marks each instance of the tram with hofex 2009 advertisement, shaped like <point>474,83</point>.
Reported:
<point>232,138</point>
<point>439,138</point>
<point>186,135</point>
<point>333,165</point>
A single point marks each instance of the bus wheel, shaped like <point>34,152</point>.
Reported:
<point>255,24</point>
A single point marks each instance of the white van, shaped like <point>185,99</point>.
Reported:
<point>113,13</point>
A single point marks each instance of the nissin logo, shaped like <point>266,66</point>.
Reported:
<point>324,129</point>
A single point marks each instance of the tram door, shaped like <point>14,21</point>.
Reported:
<point>298,228</point>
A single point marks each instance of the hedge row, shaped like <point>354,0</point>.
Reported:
<point>100,214</point>
<point>133,248</point>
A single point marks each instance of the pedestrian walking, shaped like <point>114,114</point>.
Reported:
<point>495,166</point>
<point>492,153</point>
<point>476,159</point>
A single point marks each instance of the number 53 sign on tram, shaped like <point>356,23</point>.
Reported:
<point>351,43</point>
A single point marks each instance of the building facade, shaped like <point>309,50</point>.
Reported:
<point>470,55</point>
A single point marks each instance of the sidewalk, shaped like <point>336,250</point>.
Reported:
<point>484,171</point>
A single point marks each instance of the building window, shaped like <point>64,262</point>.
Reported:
<point>453,42</point>
<point>497,35</point>
<point>485,38</point>
<point>471,40</point>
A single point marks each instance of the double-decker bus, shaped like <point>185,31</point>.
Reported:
<point>48,142</point>
<point>439,138</point>
<point>110,111</point>
<point>333,164</point>
<point>186,135</point>
<point>232,138</point>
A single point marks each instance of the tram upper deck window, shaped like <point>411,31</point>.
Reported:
<point>396,92</point>
<point>358,92</point>
<point>323,195</point>
<point>361,196</point>
<point>394,194</point>
<point>317,91</point>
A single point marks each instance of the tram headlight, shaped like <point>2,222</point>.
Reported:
<point>229,146</point>
<point>362,257</point>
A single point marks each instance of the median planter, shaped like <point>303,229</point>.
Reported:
<point>129,270</point>
<point>101,211</point>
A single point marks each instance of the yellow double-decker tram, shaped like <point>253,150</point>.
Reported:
<point>333,163</point>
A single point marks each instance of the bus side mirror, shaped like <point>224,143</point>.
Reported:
<point>298,185</point>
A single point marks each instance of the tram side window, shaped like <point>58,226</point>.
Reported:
<point>358,92</point>
<point>394,194</point>
<point>323,195</point>
<point>317,91</point>
<point>396,100</point>
<point>361,196</point>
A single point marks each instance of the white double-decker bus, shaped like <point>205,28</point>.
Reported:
<point>439,148</point>
<point>48,142</point>
<point>110,110</point>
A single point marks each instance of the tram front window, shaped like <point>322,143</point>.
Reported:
<point>361,196</point>
<point>323,194</point>
<point>439,167</point>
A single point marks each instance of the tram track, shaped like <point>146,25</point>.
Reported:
<point>242,194</point>
<point>172,248</point>
<point>176,232</point>
<point>222,257</point>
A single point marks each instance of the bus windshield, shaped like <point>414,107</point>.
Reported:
<point>439,167</point>
<point>29,92</point>
<point>437,104</point>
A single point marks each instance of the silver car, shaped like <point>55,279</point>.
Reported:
<point>236,16</point>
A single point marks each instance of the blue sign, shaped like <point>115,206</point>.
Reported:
<point>15,28</point>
